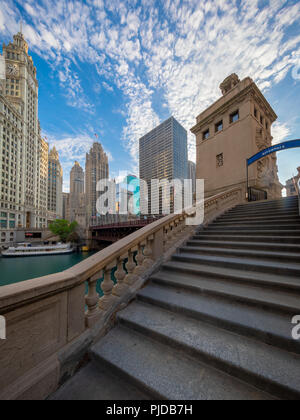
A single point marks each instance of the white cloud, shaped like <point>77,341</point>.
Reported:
<point>183,51</point>
<point>280,132</point>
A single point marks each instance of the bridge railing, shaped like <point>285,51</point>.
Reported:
<point>51,321</point>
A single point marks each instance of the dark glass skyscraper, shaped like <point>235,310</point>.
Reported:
<point>163,153</point>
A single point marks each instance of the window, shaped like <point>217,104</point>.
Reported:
<point>262,120</point>
<point>206,135</point>
<point>220,160</point>
<point>255,112</point>
<point>219,126</point>
<point>235,116</point>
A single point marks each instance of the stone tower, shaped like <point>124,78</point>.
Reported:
<point>96,168</point>
<point>231,130</point>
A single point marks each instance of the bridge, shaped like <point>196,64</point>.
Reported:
<point>113,232</point>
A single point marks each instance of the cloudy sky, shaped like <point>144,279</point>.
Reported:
<point>119,67</point>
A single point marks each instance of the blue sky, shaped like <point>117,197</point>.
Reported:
<point>118,68</point>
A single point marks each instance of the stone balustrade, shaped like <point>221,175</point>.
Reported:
<point>51,321</point>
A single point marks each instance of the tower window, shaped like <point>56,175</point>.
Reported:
<point>220,160</point>
<point>206,134</point>
<point>235,116</point>
<point>219,126</point>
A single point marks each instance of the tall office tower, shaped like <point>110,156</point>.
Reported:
<point>96,168</point>
<point>55,181</point>
<point>163,155</point>
<point>66,206</point>
<point>22,198</point>
<point>76,188</point>
<point>192,174</point>
<point>234,128</point>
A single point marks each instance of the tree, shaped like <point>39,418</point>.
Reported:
<point>73,238</point>
<point>63,228</point>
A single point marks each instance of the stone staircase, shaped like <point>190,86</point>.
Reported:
<point>214,322</point>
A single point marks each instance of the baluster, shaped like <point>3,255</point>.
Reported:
<point>181,226</point>
<point>131,276</point>
<point>107,286</point>
<point>166,236</point>
<point>92,299</point>
<point>121,287</point>
<point>139,269</point>
<point>148,261</point>
<point>172,237</point>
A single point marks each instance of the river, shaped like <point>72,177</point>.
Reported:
<point>14,270</point>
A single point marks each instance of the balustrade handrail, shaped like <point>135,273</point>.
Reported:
<point>14,294</point>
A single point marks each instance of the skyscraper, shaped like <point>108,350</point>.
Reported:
<point>76,189</point>
<point>66,206</point>
<point>23,196</point>
<point>163,153</point>
<point>96,168</point>
<point>55,181</point>
<point>192,174</point>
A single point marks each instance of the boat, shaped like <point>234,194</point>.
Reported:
<point>27,250</point>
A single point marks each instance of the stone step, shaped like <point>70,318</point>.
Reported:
<point>251,231</point>
<point>247,238</point>
<point>262,266</point>
<point>272,203</point>
<point>257,223</point>
<point>245,318</point>
<point>276,217</point>
<point>272,281</point>
<point>97,383</point>
<point>293,257</point>
<point>263,212</point>
<point>268,368</point>
<point>242,292</point>
<point>255,227</point>
<point>264,246</point>
<point>289,235</point>
<point>166,373</point>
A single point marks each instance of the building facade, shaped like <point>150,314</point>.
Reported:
<point>192,174</point>
<point>66,206</point>
<point>55,182</point>
<point>76,189</point>
<point>232,130</point>
<point>96,168</point>
<point>163,155</point>
<point>292,185</point>
<point>23,198</point>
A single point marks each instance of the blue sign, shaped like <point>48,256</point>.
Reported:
<point>277,148</point>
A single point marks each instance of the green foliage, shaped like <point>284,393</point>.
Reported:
<point>63,228</point>
<point>73,238</point>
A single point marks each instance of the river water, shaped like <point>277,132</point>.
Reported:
<point>14,270</point>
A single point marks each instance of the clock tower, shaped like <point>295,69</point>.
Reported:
<point>24,149</point>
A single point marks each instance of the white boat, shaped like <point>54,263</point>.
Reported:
<point>26,250</point>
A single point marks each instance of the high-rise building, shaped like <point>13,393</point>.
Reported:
<point>96,168</point>
<point>55,181</point>
<point>66,206</point>
<point>23,199</point>
<point>192,174</point>
<point>163,154</point>
<point>76,189</point>
<point>230,131</point>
